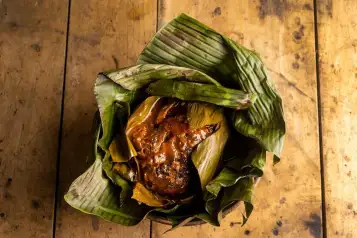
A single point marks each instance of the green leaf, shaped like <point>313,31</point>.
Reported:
<point>125,188</point>
<point>141,114</point>
<point>107,94</point>
<point>188,43</point>
<point>225,178</point>
<point>206,157</point>
<point>190,91</point>
<point>140,76</point>
<point>93,193</point>
<point>234,174</point>
<point>242,191</point>
<point>190,61</point>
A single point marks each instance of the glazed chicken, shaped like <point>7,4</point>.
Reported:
<point>164,143</point>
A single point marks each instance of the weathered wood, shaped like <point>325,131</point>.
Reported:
<point>337,38</point>
<point>103,35</point>
<point>288,198</point>
<point>32,49</point>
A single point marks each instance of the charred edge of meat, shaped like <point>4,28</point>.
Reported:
<point>164,144</point>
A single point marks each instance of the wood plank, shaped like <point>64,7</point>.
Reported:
<point>32,49</point>
<point>288,198</point>
<point>338,89</point>
<point>103,35</point>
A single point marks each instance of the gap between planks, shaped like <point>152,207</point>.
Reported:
<point>319,123</point>
<point>61,124</point>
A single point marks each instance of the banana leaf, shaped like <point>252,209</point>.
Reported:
<point>142,194</point>
<point>224,83</point>
<point>208,154</point>
<point>188,43</point>
<point>141,114</point>
<point>218,95</point>
<point>93,193</point>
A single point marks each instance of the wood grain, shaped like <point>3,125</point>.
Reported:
<point>32,49</point>
<point>104,34</point>
<point>288,198</point>
<point>338,79</point>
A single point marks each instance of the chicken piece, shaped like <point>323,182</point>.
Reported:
<point>164,149</point>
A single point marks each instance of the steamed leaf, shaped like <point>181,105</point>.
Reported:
<point>141,114</point>
<point>234,176</point>
<point>207,155</point>
<point>142,194</point>
<point>192,62</point>
<point>93,193</point>
<point>188,43</point>
<point>139,76</point>
<point>190,91</point>
<point>253,164</point>
<point>107,94</point>
<point>125,188</point>
<point>242,191</point>
<point>121,149</point>
<point>124,171</point>
<point>226,178</point>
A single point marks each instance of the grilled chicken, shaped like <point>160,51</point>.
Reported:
<point>164,143</point>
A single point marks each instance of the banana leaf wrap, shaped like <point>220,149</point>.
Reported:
<point>221,81</point>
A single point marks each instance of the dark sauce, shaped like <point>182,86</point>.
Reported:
<point>164,143</point>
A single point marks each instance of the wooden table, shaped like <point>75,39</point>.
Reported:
<point>51,51</point>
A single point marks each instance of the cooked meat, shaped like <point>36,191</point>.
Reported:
<point>164,143</point>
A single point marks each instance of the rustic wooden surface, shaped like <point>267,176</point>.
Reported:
<point>32,52</point>
<point>106,34</point>
<point>284,37</point>
<point>102,34</point>
<point>338,76</point>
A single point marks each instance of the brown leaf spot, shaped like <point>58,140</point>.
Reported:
<point>36,47</point>
<point>36,204</point>
<point>307,6</point>
<point>296,65</point>
<point>347,158</point>
<point>13,25</point>
<point>271,8</point>
<point>217,11</point>
<point>137,13</point>
<point>354,43</point>
<point>34,152</point>
<point>234,223</point>
<point>297,35</point>
<point>115,60</point>
<point>95,223</point>
<point>7,195</point>
<point>283,200</point>
<point>247,232</point>
<point>275,231</point>
<point>279,223</point>
<point>329,7</point>
<point>92,39</point>
<point>314,225</point>
<point>301,30</point>
<point>8,182</point>
<point>350,206</point>
<point>334,99</point>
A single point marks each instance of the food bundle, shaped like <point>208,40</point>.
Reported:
<point>182,135</point>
